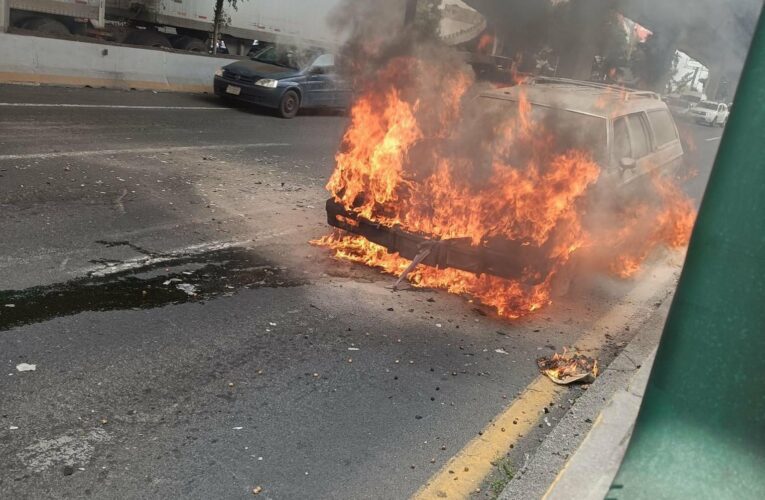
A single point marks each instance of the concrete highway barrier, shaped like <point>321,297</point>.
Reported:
<point>30,59</point>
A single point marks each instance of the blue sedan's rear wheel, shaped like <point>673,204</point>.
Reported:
<point>289,105</point>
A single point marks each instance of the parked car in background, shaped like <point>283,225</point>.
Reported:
<point>710,113</point>
<point>286,79</point>
<point>678,106</point>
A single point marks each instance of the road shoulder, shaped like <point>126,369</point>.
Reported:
<point>580,457</point>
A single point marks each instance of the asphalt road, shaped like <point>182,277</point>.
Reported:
<point>189,342</point>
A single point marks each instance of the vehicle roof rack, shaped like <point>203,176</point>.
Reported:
<point>595,85</point>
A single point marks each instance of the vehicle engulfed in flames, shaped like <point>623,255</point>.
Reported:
<point>492,196</point>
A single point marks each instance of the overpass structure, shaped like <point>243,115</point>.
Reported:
<point>460,23</point>
<point>716,33</point>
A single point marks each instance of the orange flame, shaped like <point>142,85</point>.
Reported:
<point>645,226</point>
<point>484,43</point>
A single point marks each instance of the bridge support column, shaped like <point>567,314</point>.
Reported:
<point>5,15</point>
<point>579,65</point>
<point>579,54</point>
<point>712,87</point>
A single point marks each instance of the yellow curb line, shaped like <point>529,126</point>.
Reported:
<point>464,473</point>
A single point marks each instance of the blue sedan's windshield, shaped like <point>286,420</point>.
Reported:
<point>285,56</point>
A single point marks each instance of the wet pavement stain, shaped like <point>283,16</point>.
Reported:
<point>176,280</point>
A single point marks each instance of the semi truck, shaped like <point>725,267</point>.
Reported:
<point>187,24</point>
<point>180,24</point>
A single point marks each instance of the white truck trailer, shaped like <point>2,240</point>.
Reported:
<point>181,24</point>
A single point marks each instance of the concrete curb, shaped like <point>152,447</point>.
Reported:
<point>39,60</point>
<point>589,473</point>
<point>580,457</point>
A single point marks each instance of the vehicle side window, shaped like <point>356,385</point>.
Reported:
<point>641,143</point>
<point>663,127</point>
<point>325,61</point>
<point>621,147</point>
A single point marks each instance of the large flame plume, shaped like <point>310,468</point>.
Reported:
<point>419,154</point>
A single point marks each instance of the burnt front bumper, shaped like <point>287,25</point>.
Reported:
<point>502,258</point>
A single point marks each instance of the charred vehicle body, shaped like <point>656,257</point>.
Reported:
<point>631,134</point>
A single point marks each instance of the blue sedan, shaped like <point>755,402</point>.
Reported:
<point>285,79</point>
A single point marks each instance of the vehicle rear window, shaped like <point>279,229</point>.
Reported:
<point>621,148</point>
<point>663,127</point>
<point>641,143</point>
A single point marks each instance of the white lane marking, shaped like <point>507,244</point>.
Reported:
<point>67,449</point>
<point>102,152</point>
<point>12,262</point>
<point>146,260</point>
<point>713,139</point>
<point>138,262</point>
<point>106,106</point>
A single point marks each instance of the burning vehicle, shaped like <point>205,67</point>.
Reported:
<point>492,195</point>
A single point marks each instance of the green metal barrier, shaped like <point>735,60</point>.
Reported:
<point>701,428</point>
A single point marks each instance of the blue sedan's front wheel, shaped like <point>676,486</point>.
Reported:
<point>289,105</point>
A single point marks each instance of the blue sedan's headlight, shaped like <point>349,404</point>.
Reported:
<point>266,82</point>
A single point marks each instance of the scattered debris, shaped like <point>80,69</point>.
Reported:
<point>10,305</point>
<point>257,490</point>
<point>353,349</point>
<point>13,428</point>
<point>26,367</point>
<point>173,280</point>
<point>500,351</point>
<point>567,368</point>
<point>237,428</point>
<point>188,288</point>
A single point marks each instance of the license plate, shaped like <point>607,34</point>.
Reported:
<point>231,89</point>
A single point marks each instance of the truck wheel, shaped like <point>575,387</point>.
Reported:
<point>189,43</point>
<point>45,25</point>
<point>149,38</point>
<point>289,105</point>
